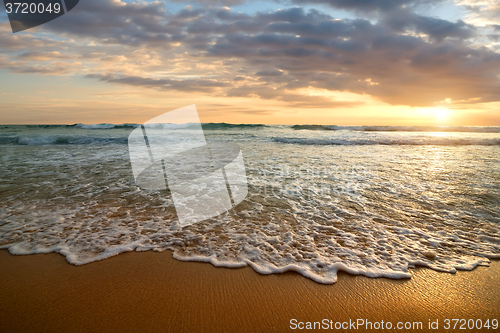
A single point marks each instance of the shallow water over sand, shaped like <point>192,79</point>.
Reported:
<point>320,200</point>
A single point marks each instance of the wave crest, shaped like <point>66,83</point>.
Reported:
<point>391,141</point>
<point>459,129</point>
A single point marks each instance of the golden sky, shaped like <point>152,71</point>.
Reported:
<point>375,62</point>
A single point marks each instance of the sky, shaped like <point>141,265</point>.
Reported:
<point>343,62</point>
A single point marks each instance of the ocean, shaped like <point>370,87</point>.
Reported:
<point>370,200</point>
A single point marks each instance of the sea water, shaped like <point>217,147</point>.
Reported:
<point>371,200</point>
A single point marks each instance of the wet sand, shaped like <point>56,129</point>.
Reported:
<point>152,292</point>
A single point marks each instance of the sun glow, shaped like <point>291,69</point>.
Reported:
<point>441,114</point>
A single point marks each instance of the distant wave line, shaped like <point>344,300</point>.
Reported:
<point>392,142</point>
<point>467,129</point>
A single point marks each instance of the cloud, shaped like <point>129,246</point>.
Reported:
<point>223,108</point>
<point>212,3</point>
<point>291,49</point>
<point>292,99</point>
<point>52,69</point>
<point>407,69</point>
<point>10,42</point>
<point>404,58</point>
<point>41,56</point>
<point>200,85</point>
<point>435,28</point>
<point>495,37</point>
<point>483,13</point>
<point>116,22</point>
<point>368,5</point>
<point>269,73</point>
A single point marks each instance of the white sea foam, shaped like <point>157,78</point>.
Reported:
<point>96,126</point>
<point>427,141</point>
<point>459,129</point>
<point>375,210</point>
<point>105,126</point>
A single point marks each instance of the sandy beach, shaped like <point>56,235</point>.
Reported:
<point>152,292</point>
<point>210,166</point>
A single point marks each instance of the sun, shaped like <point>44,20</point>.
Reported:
<point>437,115</point>
<point>441,114</point>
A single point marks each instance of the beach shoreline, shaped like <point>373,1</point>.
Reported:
<point>152,292</point>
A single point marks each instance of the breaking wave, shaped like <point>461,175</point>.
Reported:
<point>426,141</point>
<point>459,129</point>
<point>38,140</point>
